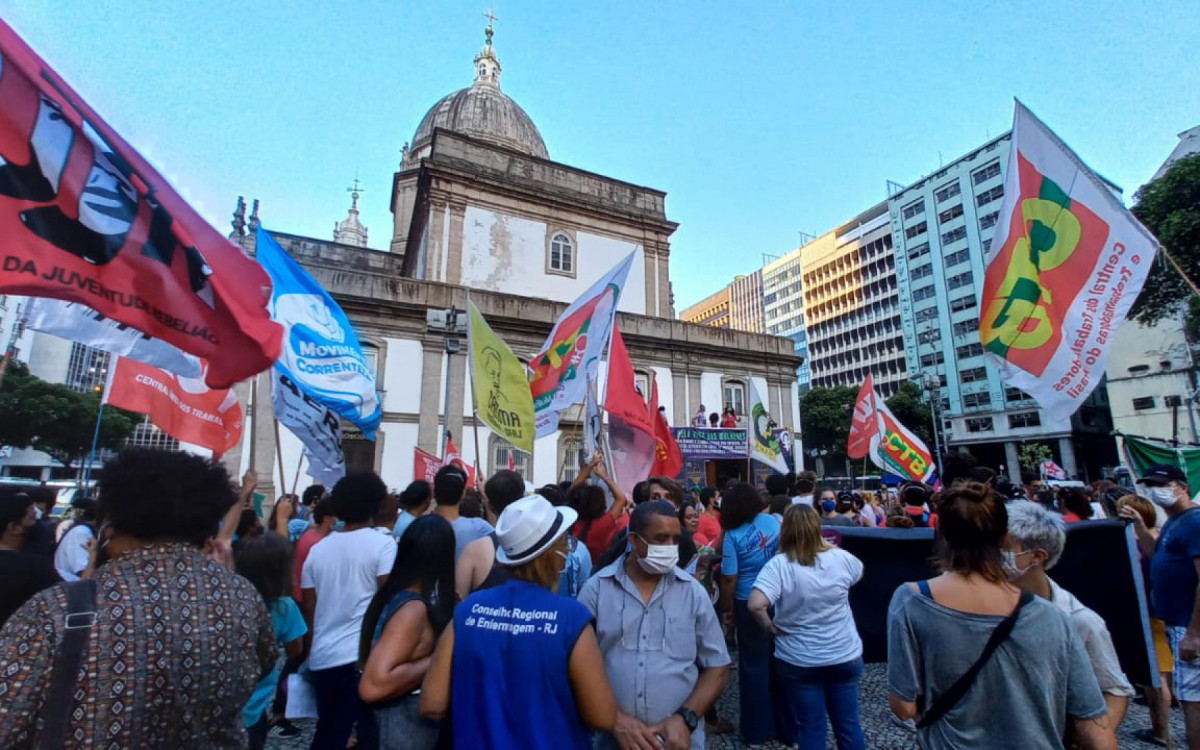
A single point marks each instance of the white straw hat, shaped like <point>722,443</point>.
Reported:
<point>528,527</point>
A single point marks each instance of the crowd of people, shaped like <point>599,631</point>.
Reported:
<point>167,613</point>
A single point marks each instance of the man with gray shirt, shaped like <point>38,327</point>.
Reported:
<point>449,488</point>
<point>663,648</point>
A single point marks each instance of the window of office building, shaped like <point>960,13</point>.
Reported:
<point>921,272</point>
<point>914,209</point>
<point>961,280</point>
<point>87,368</point>
<point>916,230</point>
<point>987,196</point>
<point>146,435</point>
<point>977,400</point>
<point>918,250</point>
<point>1016,394</point>
<point>560,255</point>
<point>929,360</point>
<point>962,303</point>
<point>954,235</point>
<point>950,214</point>
<point>1143,403</point>
<point>986,244</point>
<point>989,221</point>
<point>929,313</point>
<point>983,174</point>
<point>947,192</point>
<point>1024,419</point>
<point>924,292</point>
<point>965,327</point>
<point>973,375</point>
<point>961,256</point>
<point>970,350</point>
<point>979,424</point>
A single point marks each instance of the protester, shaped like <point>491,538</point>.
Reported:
<point>665,488</point>
<point>414,502</point>
<point>750,540</point>
<point>71,558</point>
<point>323,520</point>
<point>898,519</point>
<point>389,510</point>
<point>449,488</point>
<point>1173,581</point>
<point>476,567</point>
<point>341,575</point>
<point>699,419</point>
<point>708,528</point>
<point>1144,516</point>
<point>579,560</point>
<point>249,525</point>
<point>471,505</point>
<point>866,509</point>
<point>689,517</point>
<point>400,630</point>
<point>714,420</point>
<point>154,624</point>
<point>728,418</point>
<point>1036,537</point>
<point>41,537</point>
<point>830,506</point>
<point>266,561</point>
<point>805,486</point>
<point>1032,482</point>
<point>847,507</point>
<point>818,653</point>
<point>308,500</point>
<point>938,630</point>
<point>597,523</point>
<point>22,574</point>
<point>520,667</point>
<point>1074,504</point>
<point>916,498</point>
<point>662,644</point>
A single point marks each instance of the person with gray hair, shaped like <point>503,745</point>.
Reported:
<point>1036,537</point>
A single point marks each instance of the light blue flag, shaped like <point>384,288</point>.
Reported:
<point>320,353</point>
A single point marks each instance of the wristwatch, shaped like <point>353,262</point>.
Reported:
<point>689,717</point>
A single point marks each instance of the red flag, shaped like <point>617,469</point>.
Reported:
<point>184,408</point>
<point>668,458</point>
<point>864,425</point>
<point>622,399</point>
<point>85,218</point>
<point>425,465</point>
<point>452,457</point>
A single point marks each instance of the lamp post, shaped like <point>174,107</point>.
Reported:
<point>453,324</point>
<point>932,387</point>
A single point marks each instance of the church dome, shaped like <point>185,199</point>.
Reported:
<point>482,111</point>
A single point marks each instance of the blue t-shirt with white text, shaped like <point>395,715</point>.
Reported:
<point>747,549</point>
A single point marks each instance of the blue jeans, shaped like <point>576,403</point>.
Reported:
<point>814,692</point>
<point>755,705</point>
<point>339,710</point>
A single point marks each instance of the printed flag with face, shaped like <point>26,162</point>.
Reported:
<point>570,358</point>
<point>761,435</point>
<point>499,383</point>
<point>1066,262</point>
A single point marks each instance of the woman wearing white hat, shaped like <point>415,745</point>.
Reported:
<point>520,665</point>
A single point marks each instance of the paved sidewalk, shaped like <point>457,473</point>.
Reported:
<point>882,733</point>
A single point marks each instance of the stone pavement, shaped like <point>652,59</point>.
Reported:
<point>882,733</point>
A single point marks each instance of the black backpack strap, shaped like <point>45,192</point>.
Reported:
<point>949,699</point>
<point>77,627</point>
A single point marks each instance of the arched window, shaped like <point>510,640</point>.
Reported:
<point>569,458</point>
<point>560,256</point>
<point>501,451</point>
<point>733,393</point>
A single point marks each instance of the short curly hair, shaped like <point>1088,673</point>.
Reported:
<point>357,496</point>
<point>165,496</point>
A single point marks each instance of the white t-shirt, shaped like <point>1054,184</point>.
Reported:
<point>344,568</point>
<point>71,557</point>
<point>803,500</point>
<point>812,608</point>
<point>1093,632</point>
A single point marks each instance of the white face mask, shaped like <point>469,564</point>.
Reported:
<point>1008,560</point>
<point>1163,497</point>
<point>37,513</point>
<point>659,559</point>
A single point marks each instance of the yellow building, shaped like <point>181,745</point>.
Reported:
<point>712,311</point>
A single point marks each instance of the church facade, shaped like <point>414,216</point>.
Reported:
<point>480,209</point>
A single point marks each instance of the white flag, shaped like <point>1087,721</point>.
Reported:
<point>318,427</point>
<point>76,322</point>
<point>763,445</point>
<point>1066,262</point>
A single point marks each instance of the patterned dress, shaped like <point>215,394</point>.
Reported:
<point>178,645</point>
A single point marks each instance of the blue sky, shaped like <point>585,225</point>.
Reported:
<point>761,120</point>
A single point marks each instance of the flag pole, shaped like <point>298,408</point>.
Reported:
<point>87,467</point>
<point>296,478</point>
<point>471,380</point>
<point>279,456</point>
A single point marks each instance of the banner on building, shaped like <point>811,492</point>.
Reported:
<point>184,408</point>
<point>1066,262</point>
<point>500,383</point>
<point>315,424</point>
<point>876,433</point>
<point>77,322</point>
<point>569,361</point>
<point>760,434</point>
<point>320,353</point>
<point>85,218</point>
